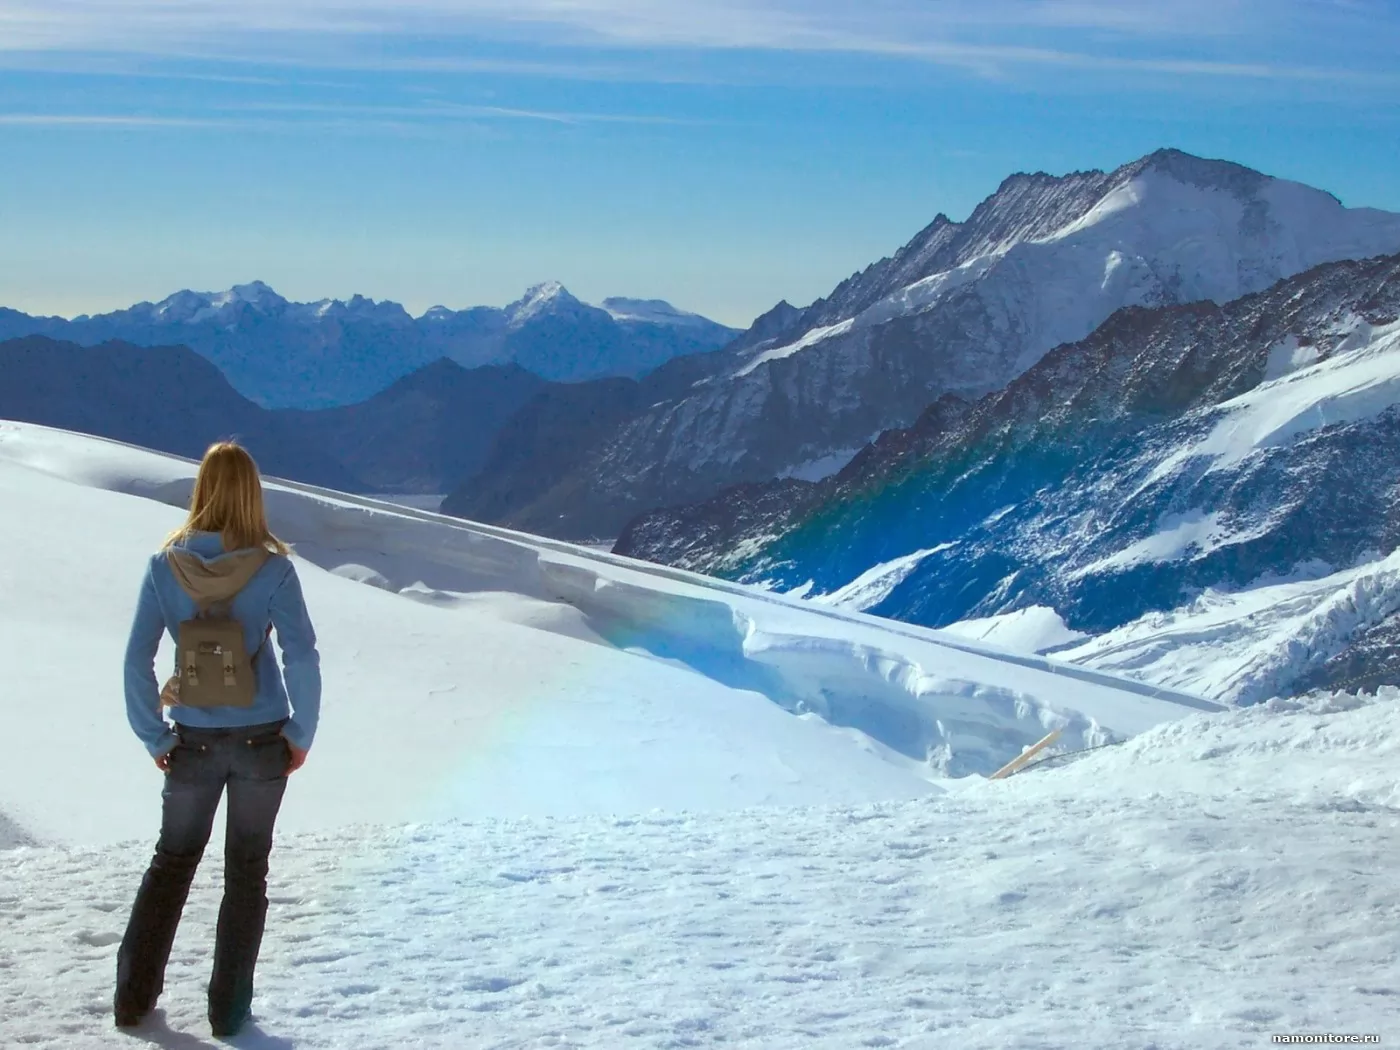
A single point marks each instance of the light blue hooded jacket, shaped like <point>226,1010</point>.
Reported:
<point>272,596</point>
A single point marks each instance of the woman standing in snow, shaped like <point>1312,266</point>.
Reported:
<point>219,586</point>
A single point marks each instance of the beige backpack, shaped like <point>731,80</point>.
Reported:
<point>212,665</point>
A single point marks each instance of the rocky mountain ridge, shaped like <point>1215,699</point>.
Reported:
<point>1175,451</point>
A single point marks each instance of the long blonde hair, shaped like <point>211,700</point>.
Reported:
<point>228,499</point>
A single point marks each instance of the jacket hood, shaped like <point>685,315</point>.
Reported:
<point>210,580</point>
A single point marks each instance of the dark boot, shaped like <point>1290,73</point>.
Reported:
<point>223,1027</point>
<point>128,1018</point>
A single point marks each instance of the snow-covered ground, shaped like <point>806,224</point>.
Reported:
<point>564,799</point>
<point>1211,882</point>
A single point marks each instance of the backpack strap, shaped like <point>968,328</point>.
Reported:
<point>267,634</point>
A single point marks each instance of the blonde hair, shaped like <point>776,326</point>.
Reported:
<point>228,499</point>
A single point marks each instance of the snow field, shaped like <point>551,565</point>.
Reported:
<point>1204,885</point>
<point>500,674</point>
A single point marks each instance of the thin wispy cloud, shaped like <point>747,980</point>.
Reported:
<point>432,112</point>
<point>104,120</point>
<point>274,115</point>
<point>987,37</point>
<point>153,122</point>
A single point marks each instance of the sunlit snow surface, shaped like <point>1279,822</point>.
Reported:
<point>561,799</point>
<point>1211,882</point>
<point>1035,629</point>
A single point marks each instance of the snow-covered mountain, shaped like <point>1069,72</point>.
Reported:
<point>556,336</point>
<point>284,354</point>
<point>961,310</point>
<point>1183,466</point>
<point>544,772</point>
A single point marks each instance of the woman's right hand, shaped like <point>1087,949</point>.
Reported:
<point>297,757</point>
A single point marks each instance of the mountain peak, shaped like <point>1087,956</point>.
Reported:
<point>1201,172</point>
<point>357,307</point>
<point>545,291</point>
<point>549,297</point>
<point>254,293</point>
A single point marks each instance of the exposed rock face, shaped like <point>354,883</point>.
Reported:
<point>963,309</point>
<point>542,454</point>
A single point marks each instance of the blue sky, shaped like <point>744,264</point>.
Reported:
<point>722,154</point>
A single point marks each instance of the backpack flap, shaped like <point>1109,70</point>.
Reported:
<point>214,669</point>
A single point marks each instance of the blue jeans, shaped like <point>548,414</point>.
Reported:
<point>250,762</point>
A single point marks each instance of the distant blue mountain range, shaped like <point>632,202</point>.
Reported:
<point>282,354</point>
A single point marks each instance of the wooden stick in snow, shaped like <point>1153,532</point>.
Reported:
<point>1026,755</point>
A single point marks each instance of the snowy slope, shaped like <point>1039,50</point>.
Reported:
<point>1213,882</point>
<point>503,675</point>
<point>652,311</point>
<point>436,707</point>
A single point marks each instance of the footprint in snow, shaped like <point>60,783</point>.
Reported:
<point>97,940</point>
<point>491,984</point>
<point>536,875</point>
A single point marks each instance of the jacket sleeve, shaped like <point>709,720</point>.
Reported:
<point>143,709</point>
<point>301,663</point>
